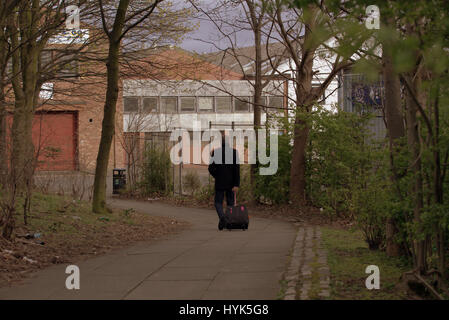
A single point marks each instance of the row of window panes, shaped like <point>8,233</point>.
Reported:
<point>63,65</point>
<point>191,104</point>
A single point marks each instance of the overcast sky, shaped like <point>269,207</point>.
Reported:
<point>207,37</point>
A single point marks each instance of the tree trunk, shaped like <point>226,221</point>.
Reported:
<point>3,131</point>
<point>298,166</point>
<point>396,131</point>
<point>256,25</point>
<point>438,186</point>
<point>25,70</point>
<point>304,101</point>
<point>415,164</point>
<point>257,97</point>
<point>3,135</point>
<point>108,124</point>
<point>441,249</point>
<point>22,153</point>
<point>108,128</point>
<point>297,193</point>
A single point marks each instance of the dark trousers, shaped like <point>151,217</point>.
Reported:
<point>219,196</point>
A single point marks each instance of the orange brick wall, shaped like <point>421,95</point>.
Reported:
<point>87,100</point>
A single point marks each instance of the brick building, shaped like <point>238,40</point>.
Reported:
<point>170,88</point>
<point>67,122</point>
<point>190,90</point>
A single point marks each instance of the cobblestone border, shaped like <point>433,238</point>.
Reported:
<point>308,275</point>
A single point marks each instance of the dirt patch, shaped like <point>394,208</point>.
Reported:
<point>65,231</point>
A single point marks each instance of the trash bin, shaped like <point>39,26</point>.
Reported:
<point>118,180</point>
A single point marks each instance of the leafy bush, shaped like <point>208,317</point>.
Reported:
<point>205,194</point>
<point>333,156</point>
<point>347,172</point>
<point>275,188</point>
<point>245,193</point>
<point>156,176</point>
<point>191,182</point>
<point>370,206</point>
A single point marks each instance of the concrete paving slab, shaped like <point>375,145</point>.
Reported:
<point>246,280</point>
<point>197,260</point>
<point>169,290</point>
<point>40,286</point>
<point>185,273</point>
<point>259,257</point>
<point>249,267</point>
<point>100,287</point>
<point>135,264</point>
<point>260,248</point>
<point>239,294</point>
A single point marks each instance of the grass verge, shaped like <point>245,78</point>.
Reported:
<point>348,257</point>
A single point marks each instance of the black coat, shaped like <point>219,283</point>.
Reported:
<point>226,176</point>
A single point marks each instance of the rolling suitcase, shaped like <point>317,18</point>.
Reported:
<point>236,217</point>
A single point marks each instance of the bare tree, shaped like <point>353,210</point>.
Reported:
<point>30,25</point>
<point>5,53</point>
<point>252,17</point>
<point>124,21</point>
<point>305,33</point>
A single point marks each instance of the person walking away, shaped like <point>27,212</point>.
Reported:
<point>227,178</point>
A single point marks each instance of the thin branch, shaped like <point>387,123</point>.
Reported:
<point>143,18</point>
<point>420,107</point>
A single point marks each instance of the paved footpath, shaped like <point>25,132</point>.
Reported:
<point>199,263</point>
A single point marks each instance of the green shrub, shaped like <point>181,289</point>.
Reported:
<point>205,194</point>
<point>156,176</point>
<point>191,182</point>
<point>370,203</point>
<point>347,172</point>
<point>275,188</point>
<point>245,193</point>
